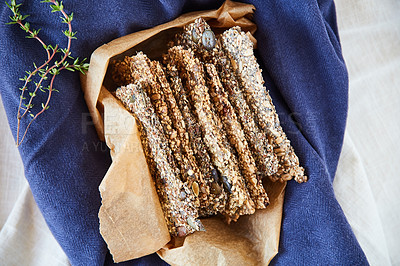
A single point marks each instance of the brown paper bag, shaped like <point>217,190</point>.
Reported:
<point>131,219</point>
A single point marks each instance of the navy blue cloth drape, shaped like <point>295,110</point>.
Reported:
<point>299,50</point>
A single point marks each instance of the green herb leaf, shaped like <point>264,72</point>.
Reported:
<point>55,8</point>
<point>50,66</point>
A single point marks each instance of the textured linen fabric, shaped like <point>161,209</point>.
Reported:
<point>367,182</point>
<point>355,195</point>
<point>25,238</point>
<point>12,180</point>
<point>299,50</point>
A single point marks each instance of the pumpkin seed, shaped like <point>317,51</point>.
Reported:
<point>208,39</point>
<point>226,183</point>
<point>195,35</point>
<point>214,174</point>
<point>215,189</point>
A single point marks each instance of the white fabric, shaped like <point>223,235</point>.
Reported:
<point>366,183</point>
<point>12,178</point>
<point>367,180</point>
<point>353,191</point>
<point>25,238</point>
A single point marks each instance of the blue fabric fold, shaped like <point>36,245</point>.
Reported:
<point>300,53</point>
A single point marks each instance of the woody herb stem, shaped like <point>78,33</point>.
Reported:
<point>45,69</point>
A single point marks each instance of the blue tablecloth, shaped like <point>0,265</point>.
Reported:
<point>299,50</point>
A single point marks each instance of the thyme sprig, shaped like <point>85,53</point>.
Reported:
<point>47,71</point>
